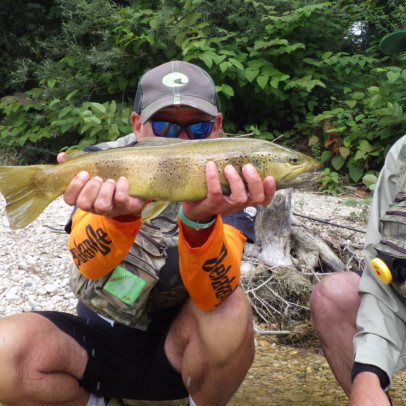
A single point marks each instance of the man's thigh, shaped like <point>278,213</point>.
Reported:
<point>124,362</point>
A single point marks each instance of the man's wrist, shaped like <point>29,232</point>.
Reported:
<point>357,368</point>
<point>197,224</point>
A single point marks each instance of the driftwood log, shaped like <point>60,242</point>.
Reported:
<point>278,270</point>
<point>279,235</point>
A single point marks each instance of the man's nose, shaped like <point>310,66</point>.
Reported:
<point>183,135</point>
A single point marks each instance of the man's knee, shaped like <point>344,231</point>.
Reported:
<point>232,328</point>
<point>220,333</point>
<point>17,340</point>
<point>336,293</point>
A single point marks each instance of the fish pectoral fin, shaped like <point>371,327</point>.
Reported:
<point>158,141</point>
<point>152,210</point>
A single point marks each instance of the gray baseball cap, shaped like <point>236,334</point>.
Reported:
<point>394,42</point>
<point>175,84</point>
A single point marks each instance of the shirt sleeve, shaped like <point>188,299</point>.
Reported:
<point>211,272</point>
<point>98,244</point>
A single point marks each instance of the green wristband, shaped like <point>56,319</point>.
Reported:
<point>194,224</point>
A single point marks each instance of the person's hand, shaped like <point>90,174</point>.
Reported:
<point>258,192</point>
<point>366,391</point>
<point>108,198</point>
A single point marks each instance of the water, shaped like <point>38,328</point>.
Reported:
<point>288,376</point>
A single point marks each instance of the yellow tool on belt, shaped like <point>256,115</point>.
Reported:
<point>381,270</point>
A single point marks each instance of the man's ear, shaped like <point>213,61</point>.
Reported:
<point>217,124</point>
<point>136,123</point>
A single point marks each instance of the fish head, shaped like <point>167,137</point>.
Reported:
<point>289,168</point>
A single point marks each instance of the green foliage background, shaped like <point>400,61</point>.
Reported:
<point>306,71</point>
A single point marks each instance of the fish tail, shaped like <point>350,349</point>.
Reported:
<point>26,193</point>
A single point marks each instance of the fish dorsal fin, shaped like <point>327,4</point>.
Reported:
<point>152,210</point>
<point>159,141</point>
<point>74,153</point>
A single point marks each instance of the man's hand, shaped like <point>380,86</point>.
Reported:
<point>366,391</point>
<point>259,192</point>
<point>108,198</point>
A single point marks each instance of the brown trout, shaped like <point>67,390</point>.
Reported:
<point>162,170</point>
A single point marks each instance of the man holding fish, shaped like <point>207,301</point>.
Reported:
<point>161,314</point>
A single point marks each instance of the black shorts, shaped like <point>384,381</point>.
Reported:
<point>124,362</point>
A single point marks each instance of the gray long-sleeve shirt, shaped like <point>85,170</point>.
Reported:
<point>381,320</point>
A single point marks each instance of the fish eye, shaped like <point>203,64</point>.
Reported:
<point>294,160</point>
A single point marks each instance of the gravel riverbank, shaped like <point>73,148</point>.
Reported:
<point>34,262</point>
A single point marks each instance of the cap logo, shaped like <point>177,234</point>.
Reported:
<point>175,79</point>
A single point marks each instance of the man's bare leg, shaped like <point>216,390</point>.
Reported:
<point>334,304</point>
<point>214,349</point>
<point>40,364</point>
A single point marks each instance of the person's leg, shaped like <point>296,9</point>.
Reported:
<point>214,349</point>
<point>40,364</point>
<point>334,303</point>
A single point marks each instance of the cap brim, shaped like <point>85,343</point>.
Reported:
<point>191,101</point>
<point>394,43</point>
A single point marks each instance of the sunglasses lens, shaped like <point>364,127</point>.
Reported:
<point>201,130</point>
<point>165,129</point>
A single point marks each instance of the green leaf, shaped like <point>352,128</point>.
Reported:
<point>393,76</point>
<point>375,100</point>
<point>326,155</point>
<point>373,90</point>
<point>71,94</point>
<point>369,179</point>
<point>355,172</point>
<point>113,131</point>
<point>326,55</point>
<point>351,103</point>
<point>387,121</point>
<point>92,120</point>
<point>256,63</point>
<point>64,112</point>
<point>97,107</point>
<point>364,145</point>
<point>227,90</point>
<point>112,108</point>
<point>358,95</point>
<point>344,152</point>
<point>236,63</point>
<point>224,66</point>
<point>338,162</point>
<point>86,113</point>
<point>262,80</point>
<point>65,127</point>
<point>251,74</point>
<point>207,59</point>
<point>53,102</point>
<point>84,128</point>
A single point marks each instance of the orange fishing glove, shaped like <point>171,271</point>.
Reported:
<point>98,244</point>
<point>211,272</point>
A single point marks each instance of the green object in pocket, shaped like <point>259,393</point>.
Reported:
<point>124,285</point>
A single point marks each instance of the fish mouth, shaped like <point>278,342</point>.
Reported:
<point>305,178</point>
<point>301,180</point>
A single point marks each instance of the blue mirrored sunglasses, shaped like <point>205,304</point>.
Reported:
<point>195,131</point>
